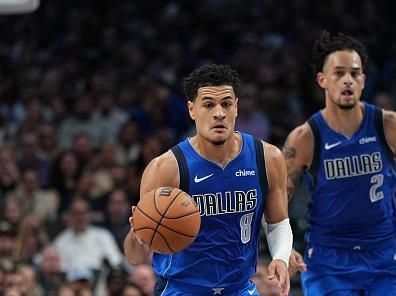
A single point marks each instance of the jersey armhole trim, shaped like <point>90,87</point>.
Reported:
<point>313,169</point>
<point>260,162</point>
<point>183,169</point>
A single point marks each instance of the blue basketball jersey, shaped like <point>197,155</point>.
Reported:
<point>352,182</point>
<point>231,201</point>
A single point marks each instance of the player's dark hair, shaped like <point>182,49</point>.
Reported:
<point>329,43</point>
<point>210,75</point>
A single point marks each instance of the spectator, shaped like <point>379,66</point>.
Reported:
<point>116,213</point>
<point>32,238</point>
<point>82,245</point>
<point>30,157</point>
<point>143,276</point>
<point>37,201</point>
<point>132,290</point>
<point>50,276</point>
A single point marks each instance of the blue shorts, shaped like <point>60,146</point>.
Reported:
<point>165,287</point>
<point>359,272</point>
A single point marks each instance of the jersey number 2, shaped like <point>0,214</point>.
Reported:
<point>376,181</point>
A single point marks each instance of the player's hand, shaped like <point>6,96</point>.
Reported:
<point>133,209</point>
<point>296,263</point>
<point>277,269</point>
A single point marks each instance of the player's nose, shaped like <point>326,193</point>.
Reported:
<point>219,112</point>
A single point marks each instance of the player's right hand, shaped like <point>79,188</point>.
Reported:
<point>296,263</point>
<point>133,209</point>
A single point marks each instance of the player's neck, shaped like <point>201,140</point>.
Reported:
<point>345,122</point>
<point>219,154</point>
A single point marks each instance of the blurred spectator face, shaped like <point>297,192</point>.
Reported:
<point>79,216</point>
<point>50,261</point>
<point>13,291</point>
<point>30,180</point>
<point>31,237</point>
<point>118,174</point>
<point>83,107</point>
<point>129,133</point>
<point>143,276</point>
<point>9,172</point>
<point>152,147</point>
<point>107,155</point>
<point>58,107</point>
<point>7,239</point>
<point>131,290</point>
<point>15,279</point>
<point>29,277</point>
<point>117,206</point>
<point>66,291</point>
<point>69,164</point>
<point>105,103</point>
<point>13,210</point>
<point>29,144</point>
<point>48,138</point>
<point>84,184</point>
<point>33,112</point>
<point>82,146</point>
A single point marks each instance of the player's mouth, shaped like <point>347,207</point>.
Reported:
<point>219,127</point>
<point>347,93</point>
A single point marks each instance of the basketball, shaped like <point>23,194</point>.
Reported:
<point>167,220</point>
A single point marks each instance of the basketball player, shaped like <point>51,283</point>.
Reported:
<point>233,178</point>
<point>347,154</point>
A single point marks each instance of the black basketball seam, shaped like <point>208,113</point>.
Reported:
<point>162,216</point>
<point>149,228</point>
<point>182,216</point>
<point>165,240</point>
<point>175,231</point>
<point>145,214</point>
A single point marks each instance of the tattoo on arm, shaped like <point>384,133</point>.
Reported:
<point>289,152</point>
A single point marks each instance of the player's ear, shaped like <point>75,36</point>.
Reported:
<point>364,80</point>
<point>321,79</point>
<point>236,106</point>
<point>191,111</point>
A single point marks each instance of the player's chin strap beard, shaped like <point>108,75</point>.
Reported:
<point>218,143</point>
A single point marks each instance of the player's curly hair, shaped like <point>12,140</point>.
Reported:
<point>329,43</point>
<point>210,75</point>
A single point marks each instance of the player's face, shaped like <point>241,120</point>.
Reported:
<point>214,112</point>
<point>342,78</point>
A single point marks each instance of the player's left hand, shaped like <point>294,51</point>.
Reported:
<point>278,269</point>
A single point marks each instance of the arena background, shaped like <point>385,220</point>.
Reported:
<point>90,92</point>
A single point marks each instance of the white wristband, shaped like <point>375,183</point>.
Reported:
<point>280,240</point>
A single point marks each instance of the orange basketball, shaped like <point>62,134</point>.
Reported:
<point>167,220</point>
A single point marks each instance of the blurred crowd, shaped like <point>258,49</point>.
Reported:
<point>90,92</point>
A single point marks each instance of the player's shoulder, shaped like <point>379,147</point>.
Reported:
<point>389,119</point>
<point>161,171</point>
<point>301,134</point>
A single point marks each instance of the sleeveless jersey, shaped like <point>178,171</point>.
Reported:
<point>352,182</point>
<point>231,203</point>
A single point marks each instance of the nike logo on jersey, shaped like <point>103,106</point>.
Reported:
<point>197,180</point>
<point>329,146</point>
<point>252,291</point>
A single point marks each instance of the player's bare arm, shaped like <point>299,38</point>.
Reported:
<point>390,127</point>
<point>279,235</point>
<point>161,171</point>
<point>298,152</point>
<point>276,202</point>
